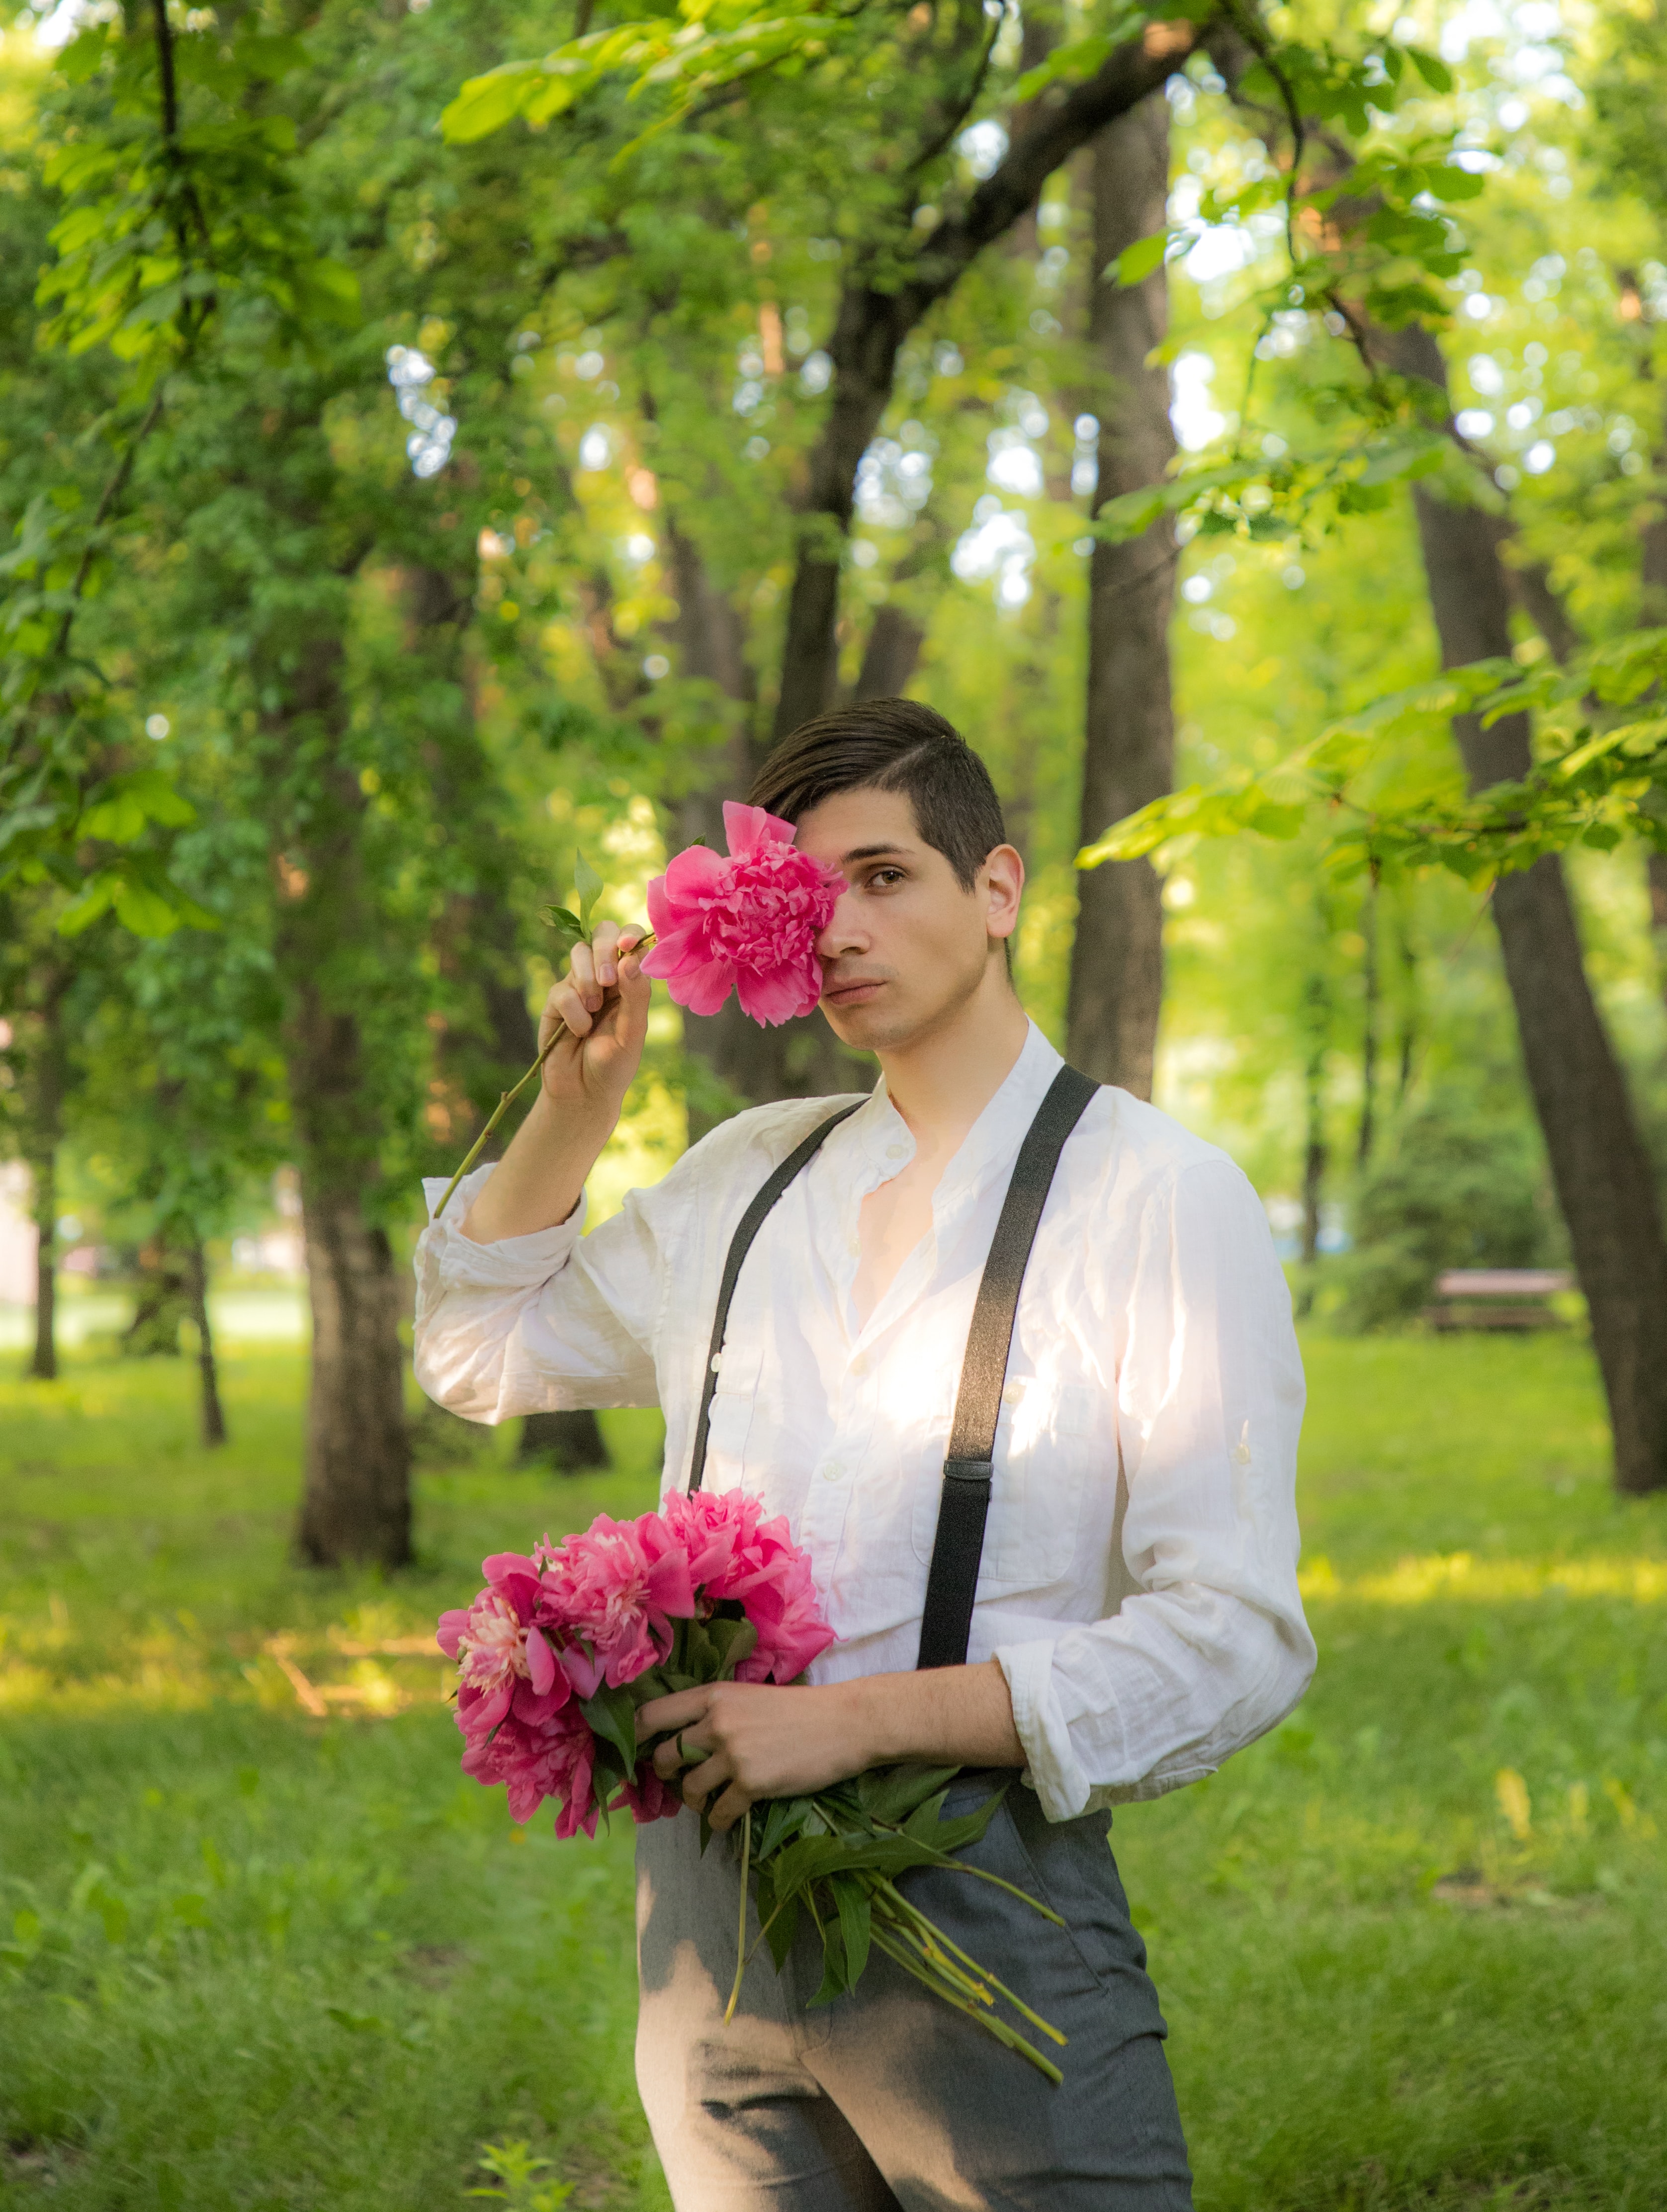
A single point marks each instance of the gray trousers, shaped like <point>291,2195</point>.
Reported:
<point>888,2099</point>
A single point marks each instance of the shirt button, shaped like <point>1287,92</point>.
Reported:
<point>833,1472</point>
<point>895,1152</point>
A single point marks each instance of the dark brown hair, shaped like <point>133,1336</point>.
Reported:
<point>890,744</point>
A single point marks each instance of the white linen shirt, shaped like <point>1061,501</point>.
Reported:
<point>1139,1581</point>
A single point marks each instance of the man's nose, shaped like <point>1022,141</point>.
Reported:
<point>844,933</point>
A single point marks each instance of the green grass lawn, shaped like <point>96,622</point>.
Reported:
<point>1412,1948</point>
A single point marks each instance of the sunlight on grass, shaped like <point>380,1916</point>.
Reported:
<point>1458,1574</point>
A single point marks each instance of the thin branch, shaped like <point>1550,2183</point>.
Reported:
<point>113,491</point>
<point>929,154</point>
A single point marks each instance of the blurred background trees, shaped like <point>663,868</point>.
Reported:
<point>395,511</point>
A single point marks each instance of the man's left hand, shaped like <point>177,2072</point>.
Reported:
<point>760,1741</point>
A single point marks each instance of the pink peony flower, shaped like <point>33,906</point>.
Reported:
<point>553,1758</point>
<point>619,1586</point>
<point>503,1660</point>
<point>734,1553</point>
<point>748,924</point>
<point>647,1798</point>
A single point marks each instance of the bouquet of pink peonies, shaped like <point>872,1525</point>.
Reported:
<point>559,1649</point>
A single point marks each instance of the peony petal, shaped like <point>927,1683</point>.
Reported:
<point>451,1628</point>
<point>582,1668</point>
<point>502,1564</point>
<point>747,826</point>
<point>680,946</point>
<point>776,997</point>
<point>661,914</point>
<point>696,874</point>
<point>703,992</point>
<point>480,1719</point>
<point>540,1661</point>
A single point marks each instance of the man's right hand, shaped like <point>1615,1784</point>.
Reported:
<point>604,1000</point>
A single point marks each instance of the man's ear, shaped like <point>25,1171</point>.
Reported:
<point>1002,884</point>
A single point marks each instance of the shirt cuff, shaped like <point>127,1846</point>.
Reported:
<point>511,1263</point>
<point>1054,1772</point>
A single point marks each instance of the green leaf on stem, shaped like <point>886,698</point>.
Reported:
<point>855,1924</point>
<point>587,886</point>
<point>569,929</point>
<point>612,1717</point>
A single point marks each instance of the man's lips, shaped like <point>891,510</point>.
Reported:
<point>852,990</point>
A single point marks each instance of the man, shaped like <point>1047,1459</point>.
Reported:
<point>1137,1616</point>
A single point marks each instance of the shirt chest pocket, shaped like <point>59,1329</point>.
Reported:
<point>733,1402</point>
<point>1052,1443</point>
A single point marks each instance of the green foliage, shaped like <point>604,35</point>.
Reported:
<point>1456,1191</point>
<point>183,211</point>
<point>567,928</point>
<point>683,58</point>
<point>524,2191</point>
<point>1603,776</point>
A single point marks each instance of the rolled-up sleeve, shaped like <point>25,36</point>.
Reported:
<point>546,1323</point>
<point>1208,1648</point>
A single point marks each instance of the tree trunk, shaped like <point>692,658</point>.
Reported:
<point>890,288</point>
<point>1605,1178</point>
<point>482,1051</point>
<point>43,1177</point>
<point>1117,956</point>
<point>891,656</point>
<point>1652,606</point>
<point>213,1414</point>
<point>572,1442</point>
<point>1370,1011</point>
<point>39,1136</point>
<point>1317,1154</point>
<point>357,1503</point>
<point>744,1060</point>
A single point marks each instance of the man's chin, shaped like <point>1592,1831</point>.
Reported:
<point>868,1022</point>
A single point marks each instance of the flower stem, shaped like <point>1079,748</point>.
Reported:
<point>741,1934</point>
<point>508,1097</point>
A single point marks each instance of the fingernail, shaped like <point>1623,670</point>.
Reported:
<point>610,973</point>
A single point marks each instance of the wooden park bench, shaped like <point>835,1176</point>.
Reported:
<point>1497,1297</point>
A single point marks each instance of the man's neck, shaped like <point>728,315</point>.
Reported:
<point>941,1082</point>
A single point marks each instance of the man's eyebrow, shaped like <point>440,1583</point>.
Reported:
<point>870,853</point>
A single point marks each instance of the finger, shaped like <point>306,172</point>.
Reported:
<point>567,1004</point>
<point>679,1752</point>
<point>582,967</point>
<point>700,1783</point>
<point>681,1709</point>
<point>605,948</point>
<point>730,1809</point>
<point>552,1015</point>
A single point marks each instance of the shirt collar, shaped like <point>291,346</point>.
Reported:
<point>989,1147</point>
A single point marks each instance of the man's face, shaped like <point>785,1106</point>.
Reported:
<point>906,946</point>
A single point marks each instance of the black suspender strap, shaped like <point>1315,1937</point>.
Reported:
<point>952,1583</point>
<point>740,1245</point>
